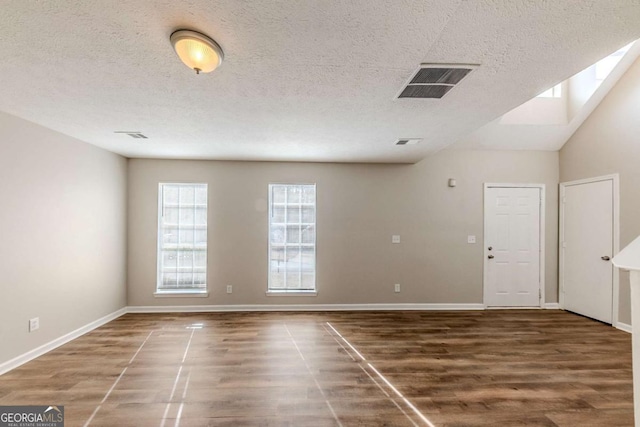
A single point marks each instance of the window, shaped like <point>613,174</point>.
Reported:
<point>554,92</point>
<point>292,238</point>
<point>182,238</point>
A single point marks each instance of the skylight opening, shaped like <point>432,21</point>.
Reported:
<point>554,92</point>
<point>606,65</point>
<point>601,68</point>
<point>577,92</point>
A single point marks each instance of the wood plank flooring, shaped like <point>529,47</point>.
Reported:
<point>480,368</point>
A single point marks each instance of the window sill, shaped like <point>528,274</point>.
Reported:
<point>181,294</point>
<point>292,293</point>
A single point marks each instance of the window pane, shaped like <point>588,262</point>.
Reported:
<point>293,280</point>
<point>309,194</point>
<point>186,238</point>
<point>186,216</point>
<point>200,279</point>
<point>187,195</point>
<point>293,194</point>
<point>277,280</point>
<point>200,260</point>
<point>277,258</point>
<point>309,234</point>
<point>171,215</point>
<point>308,260</point>
<point>308,281</point>
<point>308,214</point>
<point>171,193</point>
<point>201,216</point>
<point>293,215</point>
<point>279,192</point>
<point>292,236</point>
<point>170,280</point>
<point>169,260</point>
<point>201,195</point>
<point>185,259</point>
<point>200,238</point>
<point>185,280</point>
<point>170,236</point>
<point>182,236</point>
<point>277,214</point>
<point>293,259</point>
<point>277,234</point>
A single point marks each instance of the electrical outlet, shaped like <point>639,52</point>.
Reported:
<point>396,287</point>
<point>395,238</point>
<point>34,324</point>
<point>471,239</point>
<point>229,289</point>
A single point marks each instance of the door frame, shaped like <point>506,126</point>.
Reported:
<point>542,230</point>
<point>615,178</point>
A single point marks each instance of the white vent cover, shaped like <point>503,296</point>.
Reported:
<point>408,141</point>
<point>435,80</point>
<point>132,134</point>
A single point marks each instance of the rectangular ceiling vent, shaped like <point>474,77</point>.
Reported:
<point>132,134</point>
<point>435,80</point>
<point>408,141</point>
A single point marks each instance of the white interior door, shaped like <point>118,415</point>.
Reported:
<point>587,247</point>
<point>512,247</point>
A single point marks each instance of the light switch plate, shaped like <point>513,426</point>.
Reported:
<point>395,238</point>
<point>34,324</point>
<point>471,239</point>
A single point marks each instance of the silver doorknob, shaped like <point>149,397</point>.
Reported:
<point>490,257</point>
<point>605,258</point>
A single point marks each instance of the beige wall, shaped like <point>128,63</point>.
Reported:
<point>609,142</point>
<point>65,255</point>
<point>63,219</point>
<point>359,208</point>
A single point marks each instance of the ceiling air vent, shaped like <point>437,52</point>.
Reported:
<point>408,141</point>
<point>132,134</point>
<point>435,80</point>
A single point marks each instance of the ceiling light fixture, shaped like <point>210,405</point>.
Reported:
<point>197,51</point>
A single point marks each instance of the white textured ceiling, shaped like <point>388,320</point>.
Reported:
<point>302,80</point>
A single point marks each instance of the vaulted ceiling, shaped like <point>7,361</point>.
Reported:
<point>312,80</point>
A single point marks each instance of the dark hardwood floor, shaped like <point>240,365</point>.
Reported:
<point>475,368</point>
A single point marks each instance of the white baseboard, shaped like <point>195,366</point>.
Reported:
<point>624,327</point>
<point>301,307</point>
<point>551,306</point>
<point>45,348</point>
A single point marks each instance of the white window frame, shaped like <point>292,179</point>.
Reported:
<point>292,291</point>
<point>178,291</point>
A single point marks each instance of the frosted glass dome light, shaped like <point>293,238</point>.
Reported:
<point>197,51</point>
